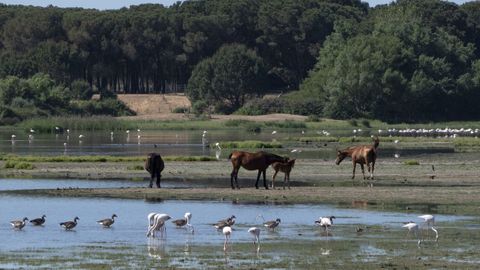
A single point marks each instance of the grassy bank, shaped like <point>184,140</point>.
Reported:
<point>75,159</point>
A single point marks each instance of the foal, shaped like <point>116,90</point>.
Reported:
<point>285,168</point>
<point>361,154</point>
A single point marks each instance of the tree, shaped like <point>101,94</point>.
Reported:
<point>227,78</point>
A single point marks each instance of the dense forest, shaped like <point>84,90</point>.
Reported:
<point>407,61</point>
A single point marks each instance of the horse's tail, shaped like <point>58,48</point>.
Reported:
<point>376,142</point>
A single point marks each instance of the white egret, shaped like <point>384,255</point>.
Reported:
<point>274,132</point>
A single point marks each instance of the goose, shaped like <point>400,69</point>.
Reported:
<point>106,223</point>
<point>225,222</point>
<point>68,225</point>
<point>18,224</point>
<point>184,221</point>
<point>272,224</point>
<point>38,221</point>
<point>325,222</point>
<point>256,234</point>
<point>227,232</point>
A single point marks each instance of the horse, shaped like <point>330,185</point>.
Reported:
<point>154,165</point>
<point>252,161</point>
<point>361,154</point>
<point>285,168</point>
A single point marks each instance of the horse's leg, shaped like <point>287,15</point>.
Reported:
<point>265,179</point>
<point>158,179</point>
<point>354,166</point>
<point>285,180</point>
<point>232,175</point>
<point>236,178</point>
<point>363,170</point>
<point>258,178</point>
<point>373,168</point>
<point>152,175</point>
<point>273,179</point>
<point>288,180</point>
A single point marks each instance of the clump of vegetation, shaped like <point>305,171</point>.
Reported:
<point>286,124</point>
<point>49,124</point>
<point>411,162</point>
<point>366,123</point>
<point>250,144</point>
<point>353,122</point>
<point>181,110</point>
<point>314,118</point>
<point>135,168</point>
<point>19,165</point>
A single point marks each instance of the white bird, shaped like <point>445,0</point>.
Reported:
<point>138,130</point>
<point>156,223</point>
<point>184,221</point>
<point>127,131</point>
<point>65,144</point>
<point>81,136</point>
<point>294,150</point>
<point>32,130</point>
<point>111,133</point>
<point>227,232</point>
<point>396,141</point>
<point>274,132</point>
<point>57,128</point>
<point>204,132</point>
<point>256,234</point>
<point>68,130</point>
<point>14,136</point>
<point>412,227</point>
<point>396,155</point>
<point>430,221</point>
<point>325,222</point>
<point>218,145</point>
<point>303,131</point>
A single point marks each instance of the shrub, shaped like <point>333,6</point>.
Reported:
<point>353,122</point>
<point>366,123</point>
<point>10,164</point>
<point>411,162</point>
<point>180,110</point>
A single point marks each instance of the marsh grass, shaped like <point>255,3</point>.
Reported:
<point>411,162</point>
<point>19,165</point>
<point>14,159</point>
<point>250,144</point>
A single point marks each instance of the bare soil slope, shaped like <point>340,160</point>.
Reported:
<point>148,104</point>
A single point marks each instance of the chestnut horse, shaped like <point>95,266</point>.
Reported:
<point>361,154</point>
<point>154,165</point>
<point>253,161</point>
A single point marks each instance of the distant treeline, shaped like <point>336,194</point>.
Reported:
<point>407,61</point>
<point>151,48</point>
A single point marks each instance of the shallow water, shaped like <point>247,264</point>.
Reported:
<point>297,221</point>
<point>18,184</point>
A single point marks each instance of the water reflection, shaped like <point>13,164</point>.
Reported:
<point>156,248</point>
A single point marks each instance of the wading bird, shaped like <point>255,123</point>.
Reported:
<point>227,232</point>
<point>272,224</point>
<point>412,227</point>
<point>18,224</point>
<point>430,221</point>
<point>184,221</point>
<point>38,221</point>
<point>325,222</point>
<point>106,223</point>
<point>225,222</point>
<point>68,225</point>
<point>157,223</point>
<point>256,234</point>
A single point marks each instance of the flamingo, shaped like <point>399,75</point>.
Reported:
<point>412,227</point>
<point>256,234</point>
<point>157,223</point>
<point>184,221</point>
<point>325,222</point>
<point>430,221</point>
<point>227,232</point>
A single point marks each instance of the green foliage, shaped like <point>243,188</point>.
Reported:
<point>15,161</point>
<point>80,89</point>
<point>411,162</point>
<point>250,144</point>
<point>18,165</point>
<point>181,110</point>
<point>135,168</point>
<point>226,79</point>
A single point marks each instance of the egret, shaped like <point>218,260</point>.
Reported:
<point>272,224</point>
<point>256,234</point>
<point>127,131</point>
<point>68,130</point>
<point>412,227</point>
<point>38,221</point>
<point>227,232</point>
<point>65,145</point>
<point>396,141</point>
<point>14,136</point>
<point>274,132</point>
<point>430,221</point>
<point>106,223</point>
<point>138,130</point>
<point>294,150</point>
<point>68,225</point>
<point>325,222</point>
<point>32,130</point>
<point>81,136</point>
<point>396,155</point>
<point>218,146</point>
<point>18,224</point>
<point>57,129</point>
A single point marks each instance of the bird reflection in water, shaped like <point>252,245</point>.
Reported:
<point>156,248</point>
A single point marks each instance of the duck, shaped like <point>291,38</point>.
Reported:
<point>225,222</point>
<point>38,221</point>
<point>106,223</point>
<point>272,224</point>
<point>68,225</point>
<point>18,224</point>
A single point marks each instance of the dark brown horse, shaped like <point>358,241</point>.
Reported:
<point>252,161</point>
<point>285,168</point>
<point>361,154</point>
<point>154,165</point>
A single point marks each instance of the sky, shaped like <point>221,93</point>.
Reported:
<point>116,4</point>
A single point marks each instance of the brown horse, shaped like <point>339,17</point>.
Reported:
<point>154,165</point>
<point>361,154</point>
<point>252,161</point>
<point>285,168</point>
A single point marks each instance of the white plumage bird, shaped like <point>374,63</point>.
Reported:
<point>430,221</point>
<point>412,227</point>
<point>156,222</point>
<point>227,232</point>
<point>256,234</point>
<point>325,222</point>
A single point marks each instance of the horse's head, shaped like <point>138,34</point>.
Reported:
<point>340,156</point>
